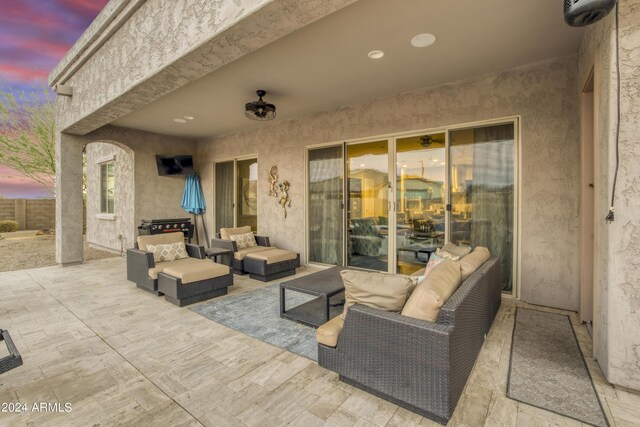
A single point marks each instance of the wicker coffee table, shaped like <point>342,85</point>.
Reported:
<point>327,286</point>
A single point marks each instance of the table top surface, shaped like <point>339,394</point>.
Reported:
<point>323,283</point>
<point>417,247</point>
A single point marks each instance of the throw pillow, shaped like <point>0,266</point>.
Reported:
<point>246,240</point>
<point>387,292</point>
<point>447,255</point>
<point>454,249</point>
<point>181,250</point>
<point>434,260</point>
<point>428,297</point>
<point>168,252</point>
<point>473,261</point>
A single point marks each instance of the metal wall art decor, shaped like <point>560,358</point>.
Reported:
<point>283,188</point>
<point>285,201</point>
<point>273,181</point>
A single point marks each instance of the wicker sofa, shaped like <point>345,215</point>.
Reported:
<point>419,365</point>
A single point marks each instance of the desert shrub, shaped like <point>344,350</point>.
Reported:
<point>7,226</point>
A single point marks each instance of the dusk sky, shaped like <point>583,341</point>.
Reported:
<point>34,36</point>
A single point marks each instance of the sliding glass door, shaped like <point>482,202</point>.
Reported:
<point>224,194</point>
<point>403,197</point>
<point>367,167</point>
<point>420,199</point>
<point>247,193</point>
<point>235,193</point>
<point>482,186</point>
<point>326,192</point>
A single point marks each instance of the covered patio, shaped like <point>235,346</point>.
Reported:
<point>120,356</point>
<point>503,133</point>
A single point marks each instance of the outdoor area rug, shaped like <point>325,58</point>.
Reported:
<point>548,370</point>
<point>257,314</point>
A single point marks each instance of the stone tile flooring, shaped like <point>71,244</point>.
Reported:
<point>121,356</point>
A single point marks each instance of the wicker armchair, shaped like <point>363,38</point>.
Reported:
<point>140,262</point>
<point>419,365</point>
<point>237,263</point>
<point>182,281</point>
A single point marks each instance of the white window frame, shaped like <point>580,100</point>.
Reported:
<point>104,190</point>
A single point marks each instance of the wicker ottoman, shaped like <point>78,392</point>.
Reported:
<point>184,285</point>
<point>271,264</point>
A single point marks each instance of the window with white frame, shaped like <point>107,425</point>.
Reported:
<point>107,187</point>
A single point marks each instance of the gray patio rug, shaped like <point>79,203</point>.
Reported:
<point>548,370</point>
<point>257,314</point>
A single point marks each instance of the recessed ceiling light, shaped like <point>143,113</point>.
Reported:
<point>180,120</point>
<point>188,118</point>
<point>362,165</point>
<point>404,166</point>
<point>423,40</point>
<point>376,54</point>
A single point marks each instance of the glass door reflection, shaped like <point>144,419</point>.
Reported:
<point>367,166</point>
<point>420,199</point>
<point>482,191</point>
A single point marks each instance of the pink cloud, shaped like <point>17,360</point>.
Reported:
<point>21,74</point>
<point>13,184</point>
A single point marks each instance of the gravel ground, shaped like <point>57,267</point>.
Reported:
<point>24,249</point>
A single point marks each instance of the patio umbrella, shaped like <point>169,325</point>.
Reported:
<point>193,202</point>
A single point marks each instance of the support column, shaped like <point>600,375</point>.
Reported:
<point>69,206</point>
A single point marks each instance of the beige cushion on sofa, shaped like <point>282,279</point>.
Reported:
<point>473,261</point>
<point>454,249</point>
<point>387,292</point>
<point>429,296</point>
<point>241,253</point>
<point>160,266</point>
<point>273,255</point>
<point>194,272</point>
<point>159,239</point>
<point>329,332</point>
<point>225,233</point>
<point>447,255</point>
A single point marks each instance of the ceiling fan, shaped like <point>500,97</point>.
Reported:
<point>427,140</point>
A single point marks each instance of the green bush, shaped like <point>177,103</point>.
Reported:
<point>7,226</point>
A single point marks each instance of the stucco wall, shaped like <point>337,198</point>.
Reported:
<point>146,196</point>
<point>104,232</point>
<point>617,245</point>
<point>543,94</point>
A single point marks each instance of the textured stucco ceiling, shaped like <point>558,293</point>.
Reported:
<point>325,65</point>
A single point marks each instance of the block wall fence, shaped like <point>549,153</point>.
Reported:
<point>31,214</point>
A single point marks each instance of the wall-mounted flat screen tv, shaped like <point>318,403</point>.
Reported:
<point>175,165</point>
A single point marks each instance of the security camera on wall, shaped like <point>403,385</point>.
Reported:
<point>580,13</point>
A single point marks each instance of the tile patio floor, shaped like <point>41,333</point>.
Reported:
<point>122,356</point>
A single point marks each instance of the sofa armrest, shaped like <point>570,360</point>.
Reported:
<point>408,359</point>
<point>229,245</point>
<point>195,251</point>
<point>142,259</point>
<point>138,265</point>
<point>263,241</point>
